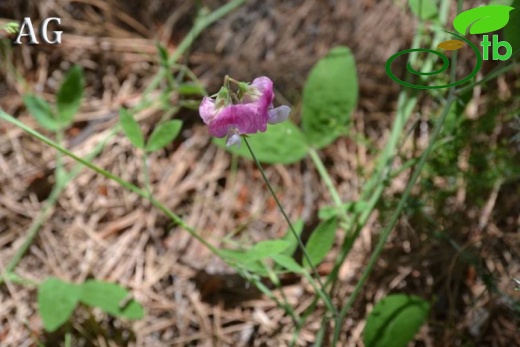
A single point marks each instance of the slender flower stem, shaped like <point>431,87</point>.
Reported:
<point>324,294</point>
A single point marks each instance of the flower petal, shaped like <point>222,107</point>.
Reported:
<point>207,109</point>
<point>279,114</point>
<point>244,117</point>
<point>234,140</point>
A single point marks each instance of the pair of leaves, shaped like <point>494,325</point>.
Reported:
<point>395,320</point>
<point>58,299</point>
<point>161,136</point>
<point>280,251</point>
<point>253,259</point>
<point>329,97</point>
<point>68,101</point>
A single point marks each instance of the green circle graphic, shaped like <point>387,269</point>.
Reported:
<point>445,65</point>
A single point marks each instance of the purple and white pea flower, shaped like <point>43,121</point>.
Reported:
<point>250,112</point>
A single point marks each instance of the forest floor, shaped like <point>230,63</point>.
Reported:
<point>99,230</point>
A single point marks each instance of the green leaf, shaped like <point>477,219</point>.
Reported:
<point>69,96</point>
<point>512,29</point>
<point>244,259</point>
<point>163,134</point>
<point>110,298</point>
<point>321,241</point>
<point>329,97</point>
<point>395,320</point>
<point>288,263</point>
<point>482,20</point>
<point>252,258</point>
<point>56,302</point>
<point>282,143</point>
<point>41,111</point>
<point>424,9</point>
<point>265,249</point>
<point>131,128</point>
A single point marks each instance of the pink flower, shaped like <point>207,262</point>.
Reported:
<point>247,116</point>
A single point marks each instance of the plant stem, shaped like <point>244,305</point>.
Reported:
<point>201,22</point>
<point>321,289</point>
<point>46,211</point>
<point>327,180</point>
<point>112,177</point>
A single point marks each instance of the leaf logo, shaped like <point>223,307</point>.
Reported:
<point>482,20</point>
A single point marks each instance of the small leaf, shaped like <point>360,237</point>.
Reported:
<point>69,96</point>
<point>56,302</point>
<point>424,9</point>
<point>163,134</point>
<point>395,320</point>
<point>451,45</point>
<point>512,29</point>
<point>41,111</point>
<point>131,128</point>
<point>282,143</point>
<point>329,97</point>
<point>110,298</point>
<point>288,263</point>
<point>244,259</point>
<point>265,249</point>
<point>482,20</point>
<point>321,241</point>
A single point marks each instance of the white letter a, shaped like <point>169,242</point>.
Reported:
<point>26,23</point>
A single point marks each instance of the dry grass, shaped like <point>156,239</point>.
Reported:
<point>100,230</point>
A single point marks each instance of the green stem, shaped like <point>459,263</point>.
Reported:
<point>397,212</point>
<point>326,179</point>
<point>321,289</point>
<point>201,23</point>
<point>112,177</point>
<point>46,211</point>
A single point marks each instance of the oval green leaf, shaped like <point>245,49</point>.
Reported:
<point>111,298</point>
<point>321,241</point>
<point>282,143</point>
<point>329,97</point>
<point>395,320</point>
<point>131,128</point>
<point>163,134</point>
<point>482,20</point>
<point>69,96</point>
<point>41,111</point>
<point>512,29</point>
<point>56,302</point>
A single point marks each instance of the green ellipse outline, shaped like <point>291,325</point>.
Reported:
<point>478,65</point>
<point>445,62</point>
